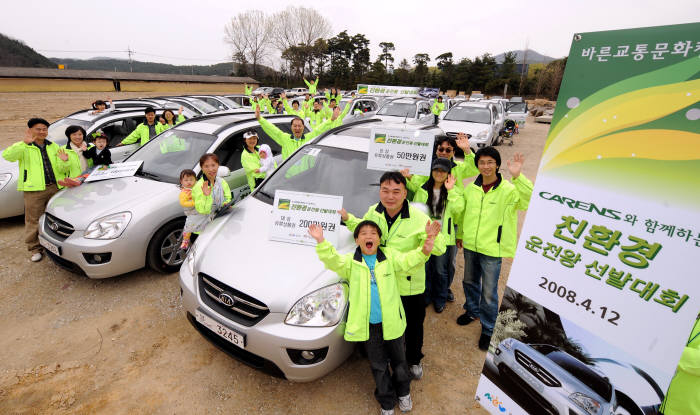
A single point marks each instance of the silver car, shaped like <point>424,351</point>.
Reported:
<point>270,304</point>
<point>116,124</point>
<point>112,227</point>
<point>416,110</point>
<point>558,382</point>
<point>480,119</point>
<point>517,111</point>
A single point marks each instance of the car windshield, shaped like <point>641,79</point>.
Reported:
<point>579,370</point>
<point>397,109</point>
<point>57,130</point>
<point>229,103</point>
<point>171,152</point>
<point>327,170</point>
<point>203,106</point>
<point>517,107</point>
<point>469,114</point>
<point>477,96</point>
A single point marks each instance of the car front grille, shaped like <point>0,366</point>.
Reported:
<point>535,369</point>
<point>245,309</point>
<point>57,228</point>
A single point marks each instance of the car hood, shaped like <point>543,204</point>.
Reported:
<point>81,205</point>
<point>463,127</point>
<point>236,250</point>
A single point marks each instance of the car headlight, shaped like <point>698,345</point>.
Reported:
<point>588,404</point>
<point>483,134</point>
<point>5,179</point>
<point>321,308</point>
<point>108,227</point>
<point>190,258</point>
<point>508,343</point>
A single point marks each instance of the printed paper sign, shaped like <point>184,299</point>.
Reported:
<point>114,171</point>
<point>407,91</point>
<point>398,149</point>
<point>294,212</point>
<point>604,289</point>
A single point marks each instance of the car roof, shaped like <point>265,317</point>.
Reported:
<point>84,115</point>
<point>355,135</point>
<point>214,123</point>
<point>478,104</point>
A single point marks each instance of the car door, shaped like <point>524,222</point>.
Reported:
<point>117,130</point>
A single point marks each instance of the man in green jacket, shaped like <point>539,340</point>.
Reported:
<point>403,229</point>
<point>248,90</point>
<point>311,85</point>
<point>488,233</point>
<point>290,142</point>
<point>144,132</point>
<point>41,165</point>
<point>292,109</point>
<point>375,313</point>
<point>437,108</point>
<point>683,395</point>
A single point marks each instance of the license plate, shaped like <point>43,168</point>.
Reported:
<point>224,332</point>
<point>51,247</point>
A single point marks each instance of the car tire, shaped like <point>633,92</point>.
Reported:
<point>163,253</point>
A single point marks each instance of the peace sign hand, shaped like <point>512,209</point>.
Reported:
<point>515,165</point>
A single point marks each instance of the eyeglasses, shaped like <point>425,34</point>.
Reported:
<point>486,163</point>
<point>445,149</point>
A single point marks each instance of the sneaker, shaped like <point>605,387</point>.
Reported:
<point>405,403</point>
<point>416,371</point>
<point>484,342</point>
<point>464,319</point>
<point>450,296</point>
<point>387,411</point>
<point>439,308</point>
<point>36,257</point>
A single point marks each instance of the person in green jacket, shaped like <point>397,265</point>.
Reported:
<point>168,121</point>
<point>210,192</point>
<point>445,147</point>
<point>337,115</point>
<point>443,200</point>
<point>294,108</point>
<point>488,233</point>
<point>437,108</point>
<point>144,132</point>
<point>683,395</point>
<point>402,229</point>
<point>311,85</point>
<point>317,115</point>
<point>290,142</point>
<point>308,103</point>
<point>248,90</point>
<point>251,160</point>
<point>375,312</point>
<point>41,166</point>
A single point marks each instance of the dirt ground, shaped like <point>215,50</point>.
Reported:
<point>69,344</point>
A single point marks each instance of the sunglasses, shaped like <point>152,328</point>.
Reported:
<point>445,149</point>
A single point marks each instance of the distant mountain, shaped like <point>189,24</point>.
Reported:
<point>532,57</point>
<point>122,65</point>
<point>14,52</point>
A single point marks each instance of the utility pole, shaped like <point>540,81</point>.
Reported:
<point>130,52</point>
<point>523,69</point>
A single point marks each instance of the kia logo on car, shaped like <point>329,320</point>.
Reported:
<point>226,299</point>
<point>53,226</point>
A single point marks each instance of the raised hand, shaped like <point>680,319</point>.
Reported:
<point>283,95</point>
<point>257,112</point>
<point>406,174</point>
<point>162,120</point>
<point>83,146</point>
<point>316,232</point>
<point>62,154</point>
<point>28,137</point>
<point>463,142</point>
<point>336,113</point>
<point>180,110</point>
<point>343,214</point>
<point>515,165</point>
<point>432,229</point>
<point>206,190</point>
<point>450,182</point>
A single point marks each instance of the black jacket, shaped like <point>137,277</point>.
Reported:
<point>105,157</point>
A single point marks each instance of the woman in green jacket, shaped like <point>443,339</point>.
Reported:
<point>210,192</point>
<point>443,200</point>
<point>77,163</point>
<point>250,160</point>
<point>168,120</point>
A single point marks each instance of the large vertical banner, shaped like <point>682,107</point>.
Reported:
<point>605,287</point>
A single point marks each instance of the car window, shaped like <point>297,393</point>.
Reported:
<point>57,130</point>
<point>327,170</point>
<point>229,152</point>
<point>469,114</point>
<point>398,110</point>
<point>165,156</point>
<point>212,102</point>
<point>517,107</point>
<point>117,130</point>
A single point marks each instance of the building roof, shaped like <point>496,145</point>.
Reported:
<point>20,72</point>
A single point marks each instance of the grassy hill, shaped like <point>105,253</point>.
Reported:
<point>532,57</point>
<point>14,52</point>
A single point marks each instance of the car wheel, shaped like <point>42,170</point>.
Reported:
<point>164,254</point>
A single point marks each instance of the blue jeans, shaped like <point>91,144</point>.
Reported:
<point>437,277</point>
<point>481,288</point>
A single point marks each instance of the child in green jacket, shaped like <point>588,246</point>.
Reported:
<point>376,315</point>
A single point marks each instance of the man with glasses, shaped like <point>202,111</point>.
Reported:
<point>488,232</point>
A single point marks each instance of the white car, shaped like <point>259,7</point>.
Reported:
<point>517,111</point>
<point>500,113</point>
<point>415,110</point>
<point>296,92</point>
<point>479,119</point>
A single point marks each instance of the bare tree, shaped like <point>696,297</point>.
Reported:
<point>298,26</point>
<point>248,33</point>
